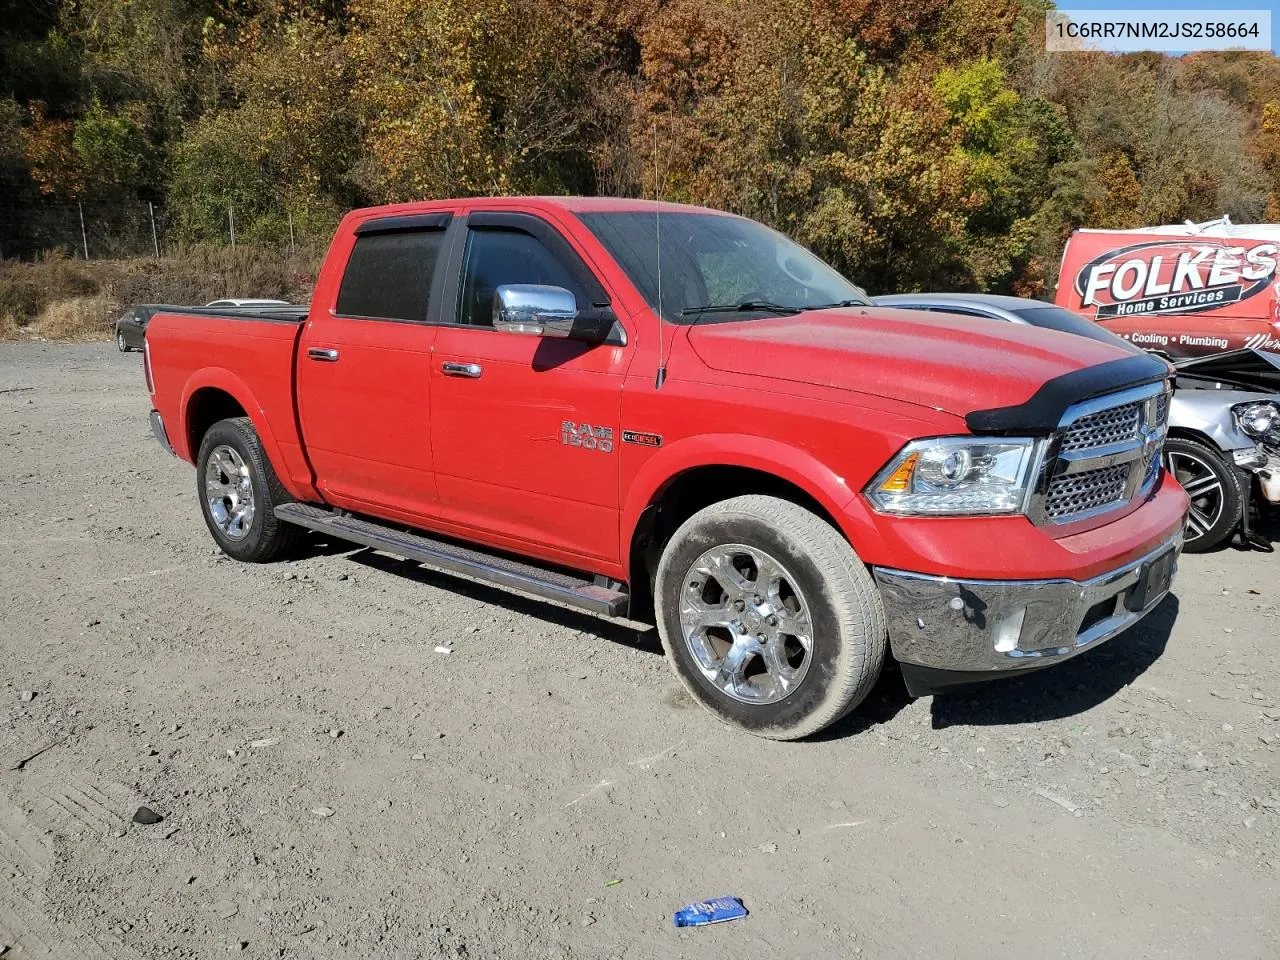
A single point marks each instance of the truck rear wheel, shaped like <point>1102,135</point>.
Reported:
<point>769,618</point>
<point>239,491</point>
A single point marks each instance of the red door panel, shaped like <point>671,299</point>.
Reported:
<point>525,429</point>
<point>364,364</point>
<point>366,415</point>
<point>505,462</point>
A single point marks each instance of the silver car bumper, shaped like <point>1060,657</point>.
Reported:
<point>1269,478</point>
<point>984,627</point>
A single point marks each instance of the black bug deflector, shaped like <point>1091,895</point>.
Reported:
<point>1042,413</point>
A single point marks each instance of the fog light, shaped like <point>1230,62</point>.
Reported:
<point>1009,630</point>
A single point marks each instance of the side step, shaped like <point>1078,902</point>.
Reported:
<point>492,568</point>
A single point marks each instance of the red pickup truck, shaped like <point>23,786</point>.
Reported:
<point>664,412</point>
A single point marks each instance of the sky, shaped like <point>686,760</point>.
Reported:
<point>1273,6</point>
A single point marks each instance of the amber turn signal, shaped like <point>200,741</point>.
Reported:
<point>900,480</point>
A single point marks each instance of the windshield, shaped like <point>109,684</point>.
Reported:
<point>717,261</point>
<point>1058,318</point>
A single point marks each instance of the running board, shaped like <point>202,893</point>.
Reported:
<point>452,558</point>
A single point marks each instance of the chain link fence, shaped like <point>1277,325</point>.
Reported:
<point>68,269</point>
<point>105,229</point>
<point>85,229</point>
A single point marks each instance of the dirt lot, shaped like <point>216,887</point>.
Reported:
<point>332,786</point>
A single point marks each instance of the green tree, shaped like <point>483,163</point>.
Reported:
<point>285,147</point>
<point>112,149</point>
<point>456,98</point>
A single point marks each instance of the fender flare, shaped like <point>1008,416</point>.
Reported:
<point>219,378</point>
<point>774,457</point>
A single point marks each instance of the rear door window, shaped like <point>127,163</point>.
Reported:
<point>388,275</point>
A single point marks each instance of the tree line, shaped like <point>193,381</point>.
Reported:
<point>915,144</point>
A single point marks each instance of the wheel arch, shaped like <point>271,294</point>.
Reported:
<point>1199,436</point>
<point>215,394</point>
<point>694,473</point>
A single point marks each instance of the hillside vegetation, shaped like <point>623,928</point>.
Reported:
<point>915,144</point>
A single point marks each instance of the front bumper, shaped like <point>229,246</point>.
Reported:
<point>1264,462</point>
<point>1269,478</point>
<point>947,632</point>
<point>157,428</point>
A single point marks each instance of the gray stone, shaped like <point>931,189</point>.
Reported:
<point>225,909</point>
<point>146,816</point>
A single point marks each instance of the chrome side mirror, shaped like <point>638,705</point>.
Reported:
<point>534,309</point>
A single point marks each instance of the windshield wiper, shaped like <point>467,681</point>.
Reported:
<point>837,305</point>
<point>753,306</point>
<point>748,306</point>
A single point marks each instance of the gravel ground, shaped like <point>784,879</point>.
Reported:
<point>332,786</point>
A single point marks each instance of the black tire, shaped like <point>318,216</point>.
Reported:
<point>846,619</point>
<point>121,344</point>
<point>1212,484</point>
<point>263,537</point>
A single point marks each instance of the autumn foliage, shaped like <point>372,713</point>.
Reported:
<point>916,144</point>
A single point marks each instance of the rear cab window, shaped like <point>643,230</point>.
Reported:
<point>389,274</point>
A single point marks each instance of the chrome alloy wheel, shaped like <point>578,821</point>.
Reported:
<point>746,623</point>
<point>1203,486</point>
<point>228,489</point>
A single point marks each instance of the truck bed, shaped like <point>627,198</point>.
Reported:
<point>196,353</point>
<point>284,313</point>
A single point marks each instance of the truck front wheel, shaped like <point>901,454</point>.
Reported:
<point>1210,482</point>
<point>768,617</point>
<point>239,492</point>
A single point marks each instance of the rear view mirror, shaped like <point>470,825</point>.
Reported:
<point>534,309</point>
<point>541,310</point>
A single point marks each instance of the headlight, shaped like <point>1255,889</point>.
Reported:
<point>1257,419</point>
<point>957,476</point>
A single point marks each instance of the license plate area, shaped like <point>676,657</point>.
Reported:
<point>1154,580</point>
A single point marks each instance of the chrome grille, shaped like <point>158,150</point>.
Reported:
<point>1106,453</point>
<point>1162,409</point>
<point>1104,428</point>
<point>1085,492</point>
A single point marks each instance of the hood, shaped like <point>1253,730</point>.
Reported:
<point>1247,369</point>
<point>943,361</point>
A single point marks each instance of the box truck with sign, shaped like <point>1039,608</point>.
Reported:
<point>1183,291</point>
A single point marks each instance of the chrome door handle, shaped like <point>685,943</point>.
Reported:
<point>327,354</point>
<point>471,370</point>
